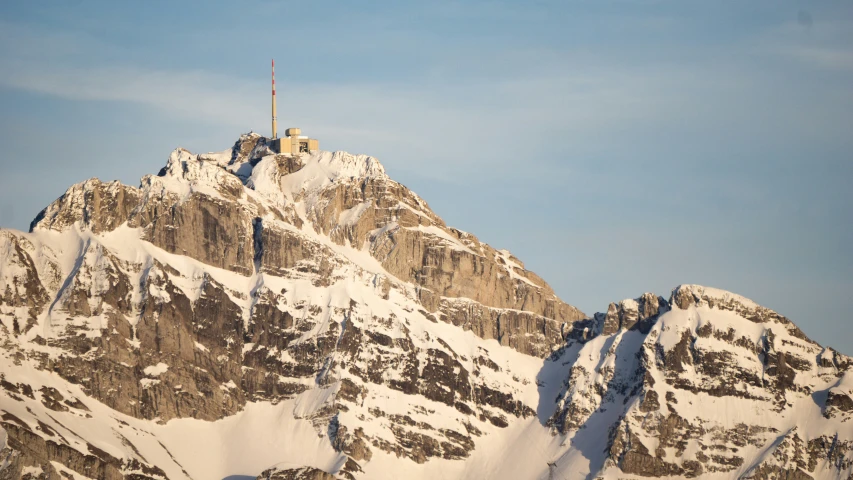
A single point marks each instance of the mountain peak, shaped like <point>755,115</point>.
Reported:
<point>342,201</point>
<point>697,295</point>
<point>250,300</point>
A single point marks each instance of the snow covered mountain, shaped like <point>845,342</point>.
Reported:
<point>244,314</point>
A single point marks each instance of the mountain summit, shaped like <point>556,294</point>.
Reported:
<point>247,314</point>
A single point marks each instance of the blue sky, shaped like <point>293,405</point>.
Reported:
<point>615,147</point>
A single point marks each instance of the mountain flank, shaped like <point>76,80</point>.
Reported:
<point>247,313</point>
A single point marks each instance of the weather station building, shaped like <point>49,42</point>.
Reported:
<point>293,143</point>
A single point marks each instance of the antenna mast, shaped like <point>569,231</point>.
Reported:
<point>274,129</point>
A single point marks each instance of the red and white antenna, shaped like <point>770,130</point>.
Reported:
<point>274,127</point>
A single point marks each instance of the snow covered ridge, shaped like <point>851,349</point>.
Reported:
<point>712,297</point>
<point>244,313</point>
<point>316,171</point>
<point>230,196</point>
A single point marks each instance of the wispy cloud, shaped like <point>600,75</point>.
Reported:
<point>483,123</point>
<point>830,58</point>
<point>192,94</point>
<point>824,44</point>
<point>514,102</point>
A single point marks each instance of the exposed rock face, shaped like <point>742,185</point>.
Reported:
<point>627,314</point>
<point>702,390</point>
<point>199,207</point>
<point>24,292</point>
<point>240,301</point>
<point>29,455</point>
<point>98,207</point>
<point>303,473</point>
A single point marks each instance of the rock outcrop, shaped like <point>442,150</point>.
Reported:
<point>705,383</point>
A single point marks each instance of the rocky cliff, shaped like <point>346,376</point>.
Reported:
<point>247,313</point>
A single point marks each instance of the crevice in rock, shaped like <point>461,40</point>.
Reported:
<point>258,244</point>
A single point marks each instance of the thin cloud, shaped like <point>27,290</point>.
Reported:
<point>510,114</point>
<point>480,124</point>
<point>822,45</point>
<point>830,58</point>
<point>192,94</point>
